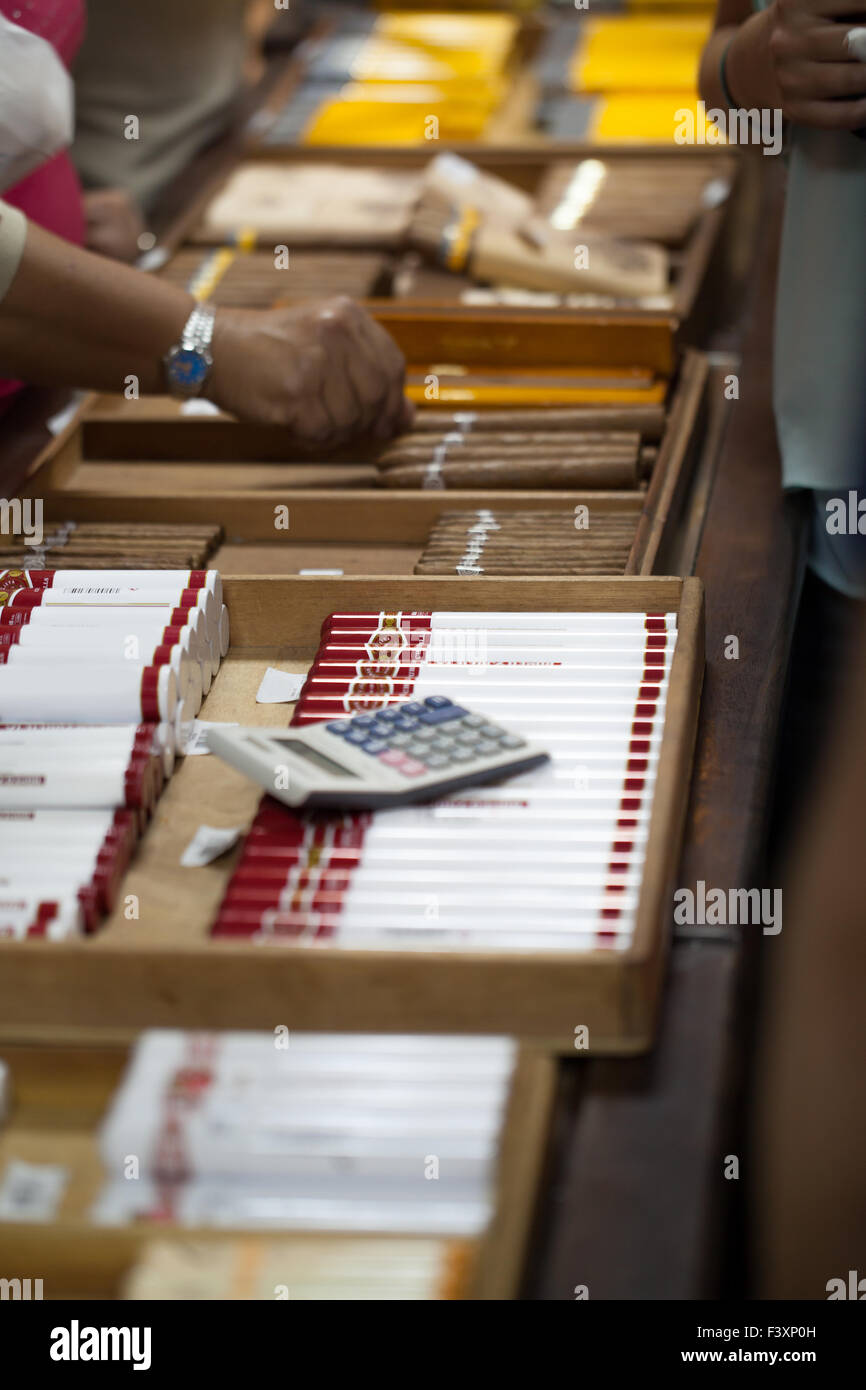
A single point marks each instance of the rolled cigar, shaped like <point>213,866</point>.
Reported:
<point>614,565</point>
<point>498,473</point>
<point>410,448</point>
<point>647,421</point>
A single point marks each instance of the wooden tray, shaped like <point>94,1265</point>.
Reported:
<point>60,1095</point>
<point>144,461</point>
<point>448,331</point>
<point>163,970</point>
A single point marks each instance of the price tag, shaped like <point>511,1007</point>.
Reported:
<point>210,842</point>
<point>31,1191</point>
<point>279,687</point>
<point>196,743</point>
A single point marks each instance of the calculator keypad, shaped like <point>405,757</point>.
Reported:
<point>429,736</point>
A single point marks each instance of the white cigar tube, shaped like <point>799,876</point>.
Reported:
<point>451,643</point>
<point>138,641</point>
<point>125,620</point>
<point>140,636</point>
<point>187,672</point>
<point>61,827</point>
<point>20,915</point>
<point>224,631</point>
<point>143,579</point>
<point>102,737</point>
<point>417,622</point>
<point>143,601</point>
<point>182,724</point>
<point>29,779</point>
<point>118,694</point>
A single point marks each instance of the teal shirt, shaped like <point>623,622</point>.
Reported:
<point>819,351</point>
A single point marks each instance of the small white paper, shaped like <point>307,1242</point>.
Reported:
<point>279,687</point>
<point>31,1191</point>
<point>196,744</point>
<point>198,406</point>
<point>335,574</point>
<point>208,843</point>
<point>56,424</point>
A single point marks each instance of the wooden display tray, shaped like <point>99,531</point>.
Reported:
<point>164,970</point>
<point>59,1097</point>
<point>448,331</point>
<point>145,461</point>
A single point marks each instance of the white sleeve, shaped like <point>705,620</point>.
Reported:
<point>13,234</point>
<point>36,103</point>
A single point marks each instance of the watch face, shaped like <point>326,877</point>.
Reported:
<point>188,368</point>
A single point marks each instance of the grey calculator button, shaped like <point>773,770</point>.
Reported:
<point>472,721</point>
<point>442,745</point>
<point>491,731</point>
<point>462,755</point>
<point>425,735</point>
<point>436,760</point>
<point>468,737</point>
<point>418,750</point>
<point>400,740</point>
<point>512,741</point>
<point>485,748</point>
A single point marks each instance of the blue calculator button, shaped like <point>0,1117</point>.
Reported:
<point>388,715</point>
<point>405,724</point>
<point>374,746</point>
<point>341,728</point>
<point>437,701</point>
<point>363,721</point>
<point>356,736</point>
<point>414,708</point>
<point>442,714</point>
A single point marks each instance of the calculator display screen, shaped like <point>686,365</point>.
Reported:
<point>312,755</point>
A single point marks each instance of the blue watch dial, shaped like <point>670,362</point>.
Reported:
<point>188,367</point>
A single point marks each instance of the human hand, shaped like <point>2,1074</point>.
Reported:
<point>325,369</point>
<point>114,223</point>
<point>821,82</point>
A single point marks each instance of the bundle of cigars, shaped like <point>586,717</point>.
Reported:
<point>585,541</point>
<point>236,277</point>
<point>114,545</point>
<point>559,449</point>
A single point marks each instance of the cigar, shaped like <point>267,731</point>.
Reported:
<point>647,421</point>
<point>422,447</point>
<point>506,474</point>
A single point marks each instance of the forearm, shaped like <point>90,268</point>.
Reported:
<point>749,70</point>
<point>72,318</point>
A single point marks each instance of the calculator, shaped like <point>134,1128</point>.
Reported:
<point>407,752</point>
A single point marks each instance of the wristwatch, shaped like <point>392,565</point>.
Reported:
<point>188,363</point>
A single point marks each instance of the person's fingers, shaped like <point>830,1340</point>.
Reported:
<point>814,42</point>
<point>828,115</point>
<point>822,81</point>
<point>408,417</point>
<point>384,350</point>
<point>373,367</point>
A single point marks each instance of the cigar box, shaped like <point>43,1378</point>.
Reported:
<point>485,90</point>
<point>441,318</point>
<point>150,460</point>
<point>159,966</point>
<point>60,1096</point>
